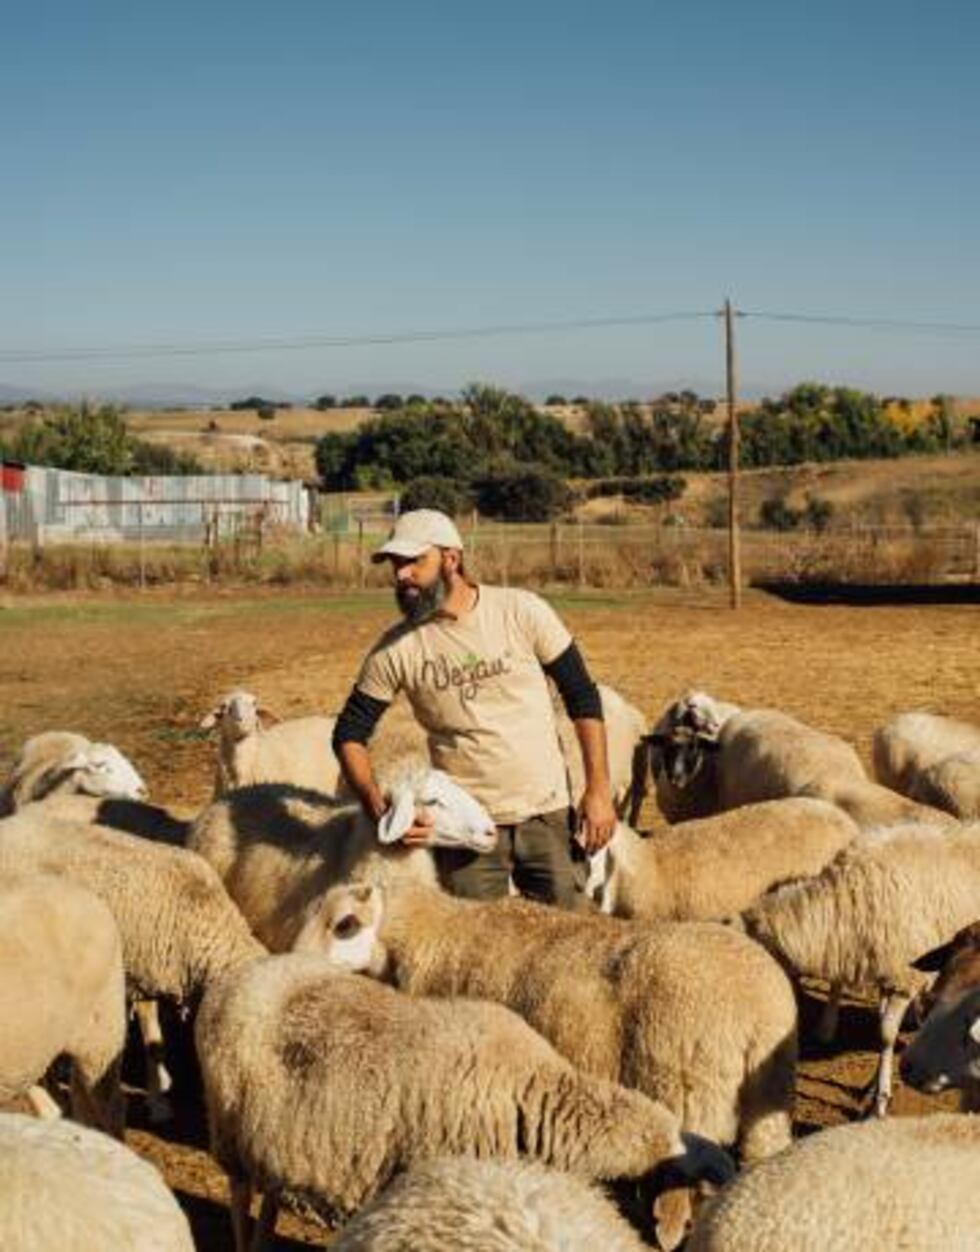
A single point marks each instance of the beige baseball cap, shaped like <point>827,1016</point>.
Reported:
<point>416,532</point>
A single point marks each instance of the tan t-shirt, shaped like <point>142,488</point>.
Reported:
<point>477,687</point>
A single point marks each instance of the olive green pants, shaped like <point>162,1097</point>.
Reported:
<point>539,854</point>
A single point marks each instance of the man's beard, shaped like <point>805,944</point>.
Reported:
<point>418,604</point>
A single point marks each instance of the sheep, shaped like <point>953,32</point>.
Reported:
<point>625,728</point>
<point>58,763</point>
<point>460,1204</point>
<point>909,1182</point>
<point>934,760</point>
<point>886,898</point>
<point>278,848</point>
<point>61,994</point>
<point>328,1084</point>
<point>946,1051</point>
<point>255,746</point>
<point>763,754</point>
<point>176,921</point>
<point>708,869</point>
<point>694,1015</point>
<point>67,1187</point>
<point>953,785</point>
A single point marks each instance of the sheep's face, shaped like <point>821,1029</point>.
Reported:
<point>680,755</point>
<point>459,821</point>
<point>102,770</point>
<point>343,925</point>
<point>238,715</point>
<point>946,1051</point>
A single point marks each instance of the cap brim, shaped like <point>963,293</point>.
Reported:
<point>400,547</point>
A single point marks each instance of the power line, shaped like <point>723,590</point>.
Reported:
<point>885,323</point>
<point>318,340</point>
<point>342,341</point>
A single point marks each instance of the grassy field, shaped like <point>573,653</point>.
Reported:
<point>141,671</point>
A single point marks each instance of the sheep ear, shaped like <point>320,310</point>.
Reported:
<point>975,1031</point>
<point>77,760</point>
<point>399,818</point>
<point>932,961</point>
<point>210,720</point>
<point>267,717</point>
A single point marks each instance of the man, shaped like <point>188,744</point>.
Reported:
<point>472,661</point>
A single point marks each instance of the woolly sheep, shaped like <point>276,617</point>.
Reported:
<point>764,754</point>
<point>70,1188</point>
<point>694,1015</point>
<point>61,994</point>
<point>59,763</point>
<point>885,899</point>
<point>255,746</point>
<point>458,1204</point>
<point>700,870</point>
<point>328,1084</point>
<point>946,1051</point>
<point>278,849</point>
<point>177,924</point>
<point>913,742</point>
<point>908,1182</point>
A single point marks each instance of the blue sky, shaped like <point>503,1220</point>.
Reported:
<point>195,172</point>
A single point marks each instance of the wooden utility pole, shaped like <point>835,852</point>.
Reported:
<point>734,547</point>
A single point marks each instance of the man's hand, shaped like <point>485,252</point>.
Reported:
<point>420,832</point>
<point>597,819</point>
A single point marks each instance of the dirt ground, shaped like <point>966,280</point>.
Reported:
<point>141,672</point>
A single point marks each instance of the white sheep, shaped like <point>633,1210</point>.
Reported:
<point>278,849</point>
<point>625,729</point>
<point>694,1015</point>
<point>68,1188</point>
<point>255,746</point>
<point>460,1204</point>
<point>175,919</point>
<point>679,1012</point>
<point>709,868</point>
<point>885,899</point>
<point>61,994</point>
<point>911,742</point>
<point>61,763</point>
<point>764,754</point>
<point>908,1182</point>
<point>327,1084</point>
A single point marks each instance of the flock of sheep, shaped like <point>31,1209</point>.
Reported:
<point>449,1074</point>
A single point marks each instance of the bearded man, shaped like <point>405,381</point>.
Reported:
<point>473,661</point>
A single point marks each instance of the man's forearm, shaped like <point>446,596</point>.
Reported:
<point>591,733</point>
<point>355,762</point>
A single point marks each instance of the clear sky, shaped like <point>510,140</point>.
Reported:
<point>188,172</point>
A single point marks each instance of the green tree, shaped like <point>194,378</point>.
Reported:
<point>447,494</point>
<point>325,402</point>
<point>91,440</point>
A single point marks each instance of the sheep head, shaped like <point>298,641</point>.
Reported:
<point>459,821</point>
<point>238,715</point>
<point>343,925</point>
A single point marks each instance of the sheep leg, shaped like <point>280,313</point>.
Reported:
<point>97,1098</point>
<point>826,1030</point>
<point>265,1227</point>
<point>158,1079</point>
<point>241,1203</point>
<point>42,1103</point>
<point>893,1008</point>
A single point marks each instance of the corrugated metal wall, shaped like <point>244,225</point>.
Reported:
<point>57,505</point>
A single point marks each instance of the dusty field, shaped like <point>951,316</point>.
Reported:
<point>142,671</point>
